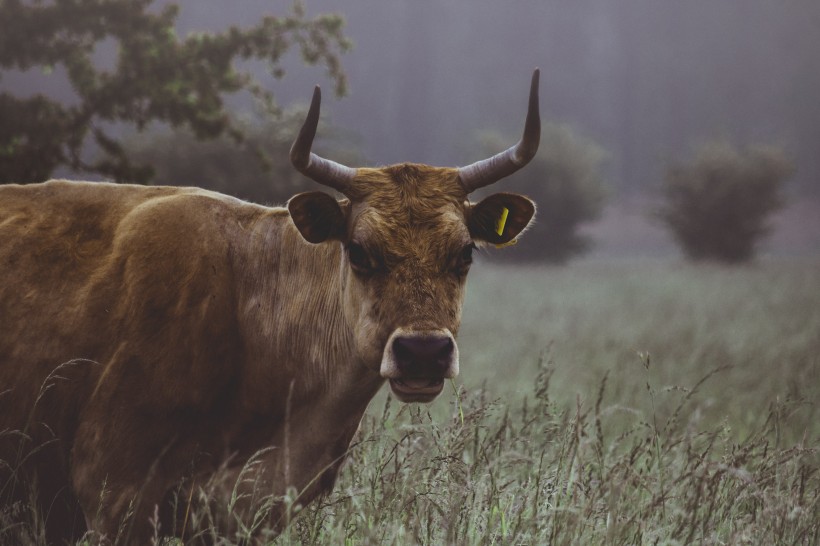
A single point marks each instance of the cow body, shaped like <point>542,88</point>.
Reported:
<point>144,330</point>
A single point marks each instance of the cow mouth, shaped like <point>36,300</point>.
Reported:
<point>416,389</point>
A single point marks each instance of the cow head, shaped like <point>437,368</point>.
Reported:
<point>408,232</point>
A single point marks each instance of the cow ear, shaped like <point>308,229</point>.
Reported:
<point>317,216</point>
<point>500,218</point>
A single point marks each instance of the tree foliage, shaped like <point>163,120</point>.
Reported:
<point>565,181</point>
<point>718,206</point>
<point>158,76</point>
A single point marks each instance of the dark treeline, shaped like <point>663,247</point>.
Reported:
<point>647,80</point>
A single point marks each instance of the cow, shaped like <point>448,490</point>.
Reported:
<point>151,335</point>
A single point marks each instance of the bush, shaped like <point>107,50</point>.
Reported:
<point>178,158</point>
<point>718,206</point>
<point>565,181</point>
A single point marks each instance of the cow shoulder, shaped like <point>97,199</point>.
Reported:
<point>171,272</point>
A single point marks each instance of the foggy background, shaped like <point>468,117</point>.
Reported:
<point>645,80</point>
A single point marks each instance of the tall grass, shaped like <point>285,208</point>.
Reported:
<point>537,473</point>
<point>603,403</point>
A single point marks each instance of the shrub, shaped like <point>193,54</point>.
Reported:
<point>564,179</point>
<point>178,158</point>
<point>718,206</point>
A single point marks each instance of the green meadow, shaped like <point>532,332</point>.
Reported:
<point>603,403</point>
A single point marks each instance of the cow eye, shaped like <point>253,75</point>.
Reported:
<point>359,258</point>
<point>467,254</point>
<point>465,259</point>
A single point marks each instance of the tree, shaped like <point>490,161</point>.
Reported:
<point>718,206</point>
<point>158,77</point>
<point>564,179</point>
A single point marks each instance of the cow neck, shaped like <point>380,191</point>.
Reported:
<point>292,321</point>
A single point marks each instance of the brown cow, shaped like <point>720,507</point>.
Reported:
<point>154,334</point>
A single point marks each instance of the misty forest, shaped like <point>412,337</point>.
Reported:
<point>641,366</point>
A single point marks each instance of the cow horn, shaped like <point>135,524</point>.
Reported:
<point>485,172</point>
<point>322,170</point>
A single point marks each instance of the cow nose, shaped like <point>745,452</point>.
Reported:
<point>427,355</point>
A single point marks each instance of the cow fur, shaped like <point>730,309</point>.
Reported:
<point>152,334</point>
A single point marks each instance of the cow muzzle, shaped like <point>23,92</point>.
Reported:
<point>416,362</point>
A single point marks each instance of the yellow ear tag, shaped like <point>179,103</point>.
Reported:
<point>499,227</point>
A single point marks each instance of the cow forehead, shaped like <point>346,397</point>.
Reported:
<point>406,206</point>
<point>409,187</point>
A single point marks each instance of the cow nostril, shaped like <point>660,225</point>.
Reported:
<point>423,349</point>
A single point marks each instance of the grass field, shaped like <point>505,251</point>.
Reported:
<point>602,403</point>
